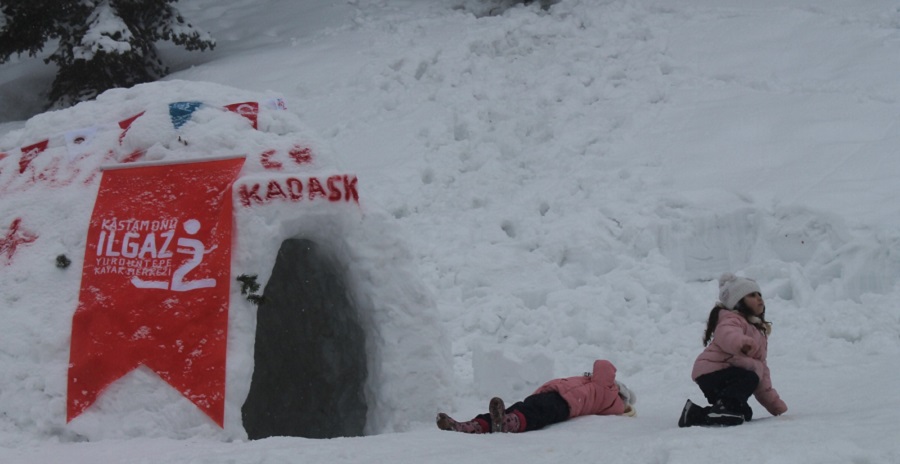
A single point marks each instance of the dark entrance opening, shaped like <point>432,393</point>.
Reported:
<point>309,360</point>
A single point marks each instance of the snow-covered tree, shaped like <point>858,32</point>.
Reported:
<point>100,44</point>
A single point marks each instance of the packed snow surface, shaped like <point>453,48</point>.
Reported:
<point>538,188</point>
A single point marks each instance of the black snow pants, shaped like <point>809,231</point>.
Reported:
<point>539,410</point>
<point>732,385</point>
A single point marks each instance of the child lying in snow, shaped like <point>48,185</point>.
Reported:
<point>558,400</point>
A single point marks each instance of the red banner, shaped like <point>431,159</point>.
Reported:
<point>125,124</point>
<point>31,152</point>
<point>155,282</point>
<point>249,110</point>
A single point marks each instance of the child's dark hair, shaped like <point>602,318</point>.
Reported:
<point>759,322</point>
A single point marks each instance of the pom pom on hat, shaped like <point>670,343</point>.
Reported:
<point>733,288</point>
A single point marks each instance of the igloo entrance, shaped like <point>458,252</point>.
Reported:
<point>310,360</point>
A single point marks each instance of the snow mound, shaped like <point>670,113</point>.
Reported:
<point>52,194</point>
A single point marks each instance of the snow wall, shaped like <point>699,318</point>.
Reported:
<point>47,204</point>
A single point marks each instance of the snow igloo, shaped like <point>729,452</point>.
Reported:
<point>185,259</point>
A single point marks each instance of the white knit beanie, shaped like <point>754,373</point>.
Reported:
<point>628,396</point>
<point>733,288</point>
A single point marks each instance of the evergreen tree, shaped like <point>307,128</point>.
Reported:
<point>101,44</point>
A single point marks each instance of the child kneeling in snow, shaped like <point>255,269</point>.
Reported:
<point>558,400</point>
<point>733,365</point>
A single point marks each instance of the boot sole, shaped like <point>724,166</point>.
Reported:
<point>684,420</point>
<point>724,420</point>
<point>497,411</point>
<point>444,422</point>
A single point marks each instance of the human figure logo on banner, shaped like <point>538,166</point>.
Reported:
<point>191,246</point>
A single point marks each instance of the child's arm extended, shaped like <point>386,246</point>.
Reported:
<point>767,396</point>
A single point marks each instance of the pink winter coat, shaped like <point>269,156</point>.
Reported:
<point>732,333</point>
<point>597,394</point>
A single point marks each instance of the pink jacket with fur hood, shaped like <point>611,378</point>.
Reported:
<point>732,333</point>
<point>597,394</point>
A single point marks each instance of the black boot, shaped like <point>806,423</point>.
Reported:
<point>726,412</point>
<point>747,411</point>
<point>692,415</point>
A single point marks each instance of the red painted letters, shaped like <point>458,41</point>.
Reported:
<point>336,188</point>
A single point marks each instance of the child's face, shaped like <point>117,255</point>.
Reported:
<point>755,303</point>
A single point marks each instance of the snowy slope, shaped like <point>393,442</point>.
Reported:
<point>567,185</point>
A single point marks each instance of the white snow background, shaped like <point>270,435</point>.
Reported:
<point>539,189</point>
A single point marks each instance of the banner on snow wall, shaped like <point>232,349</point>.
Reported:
<point>155,283</point>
